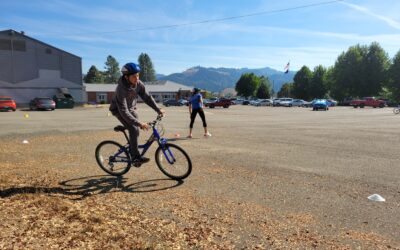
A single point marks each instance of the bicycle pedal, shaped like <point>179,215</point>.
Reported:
<point>137,164</point>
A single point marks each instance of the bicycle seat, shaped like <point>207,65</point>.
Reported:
<point>119,128</point>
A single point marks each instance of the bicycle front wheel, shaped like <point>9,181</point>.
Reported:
<point>173,161</point>
<point>113,158</point>
<point>396,111</point>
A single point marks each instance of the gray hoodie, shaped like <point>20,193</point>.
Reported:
<point>125,100</point>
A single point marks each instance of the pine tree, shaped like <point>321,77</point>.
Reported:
<point>147,73</point>
<point>247,84</point>
<point>263,91</point>
<point>93,75</point>
<point>111,73</point>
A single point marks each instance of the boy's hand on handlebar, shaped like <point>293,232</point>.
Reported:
<point>161,113</point>
<point>144,126</point>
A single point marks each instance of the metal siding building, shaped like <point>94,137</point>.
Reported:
<point>160,90</point>
<point>30,68</point>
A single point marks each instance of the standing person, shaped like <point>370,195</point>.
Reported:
<point>123,106</point>
<point>196,106</point>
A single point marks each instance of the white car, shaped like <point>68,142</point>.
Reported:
<point>263,102</point>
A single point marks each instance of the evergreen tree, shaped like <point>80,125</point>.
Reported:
<point>112,72</point>
<point>286,90</point>
<point>93,75</point>
<point>360,71</point>
<point>263,91</point>
<point>247,84</point>
<point>376,64</point>
<point>317,88</point>
<point>147,73</point>
<point>301,84</point>
<point>394,78</point>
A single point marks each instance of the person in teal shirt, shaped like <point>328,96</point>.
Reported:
<point>196,107</point>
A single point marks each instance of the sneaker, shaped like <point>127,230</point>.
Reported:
<point>189,136</point>
<point>207,134</point>
<point>141,160</point>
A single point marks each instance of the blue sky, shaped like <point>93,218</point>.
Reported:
<point>125,28</point>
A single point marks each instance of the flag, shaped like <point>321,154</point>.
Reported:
<point>286,69</point>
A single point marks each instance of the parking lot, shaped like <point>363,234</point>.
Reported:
<point>269,177</point>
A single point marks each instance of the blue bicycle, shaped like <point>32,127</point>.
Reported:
<point>171,159</point>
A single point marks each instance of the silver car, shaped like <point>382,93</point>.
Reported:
<point>286,102</point>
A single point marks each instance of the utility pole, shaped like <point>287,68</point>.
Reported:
<point>273,88</point>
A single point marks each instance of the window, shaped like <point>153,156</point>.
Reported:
<point>19,45</point>
<point>5,44</point>
<point>101,97</point>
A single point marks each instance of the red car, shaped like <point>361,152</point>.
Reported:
<point>7,103</point>
<point>225,103</point>
<point>368,101</point>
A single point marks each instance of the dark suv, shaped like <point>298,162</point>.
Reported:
<point>225,103</point>
<point>173,102</point>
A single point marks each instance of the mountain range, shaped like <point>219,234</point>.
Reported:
<point>217,79</point>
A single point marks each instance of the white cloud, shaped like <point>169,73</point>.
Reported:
<point>391,22</point>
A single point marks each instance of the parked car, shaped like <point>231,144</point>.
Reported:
<point>184,102</point>
<point>368,101</point>
<point>277,102</point>
<point>263,102</point>
<point>172,102</point>
<point>246,102</point>
<point>307,104</point>
<point>298,103</point>
<point>225,103</point>
<point>346,101</point>
<point>42,103</point>
<point>238,101</point>
<point>7,103</point>
<point>286,102</point>
<point>320,104</point>
<point>206,102</point>
<point>331,102</point>
<point>254,102</point>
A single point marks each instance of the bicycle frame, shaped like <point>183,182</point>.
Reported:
<point>155,136</point>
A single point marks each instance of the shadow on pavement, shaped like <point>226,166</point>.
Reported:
<point>94,185</point>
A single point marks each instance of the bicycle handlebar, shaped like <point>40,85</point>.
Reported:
<point>158,119</point>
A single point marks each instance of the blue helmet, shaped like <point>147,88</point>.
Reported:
<point>130,68</point>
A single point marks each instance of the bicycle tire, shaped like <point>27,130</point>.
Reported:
<point>180,157</point>
<point>105,150</point>
<point>396,111</point>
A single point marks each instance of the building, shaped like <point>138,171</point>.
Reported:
<point>160,90</point>
<point>30,68</point>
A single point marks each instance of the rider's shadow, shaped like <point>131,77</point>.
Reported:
<point>94,185</point>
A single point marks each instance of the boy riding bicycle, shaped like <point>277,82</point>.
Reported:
<point>123,106</point>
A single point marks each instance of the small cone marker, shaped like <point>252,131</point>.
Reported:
<point>26,116</point>
<point>25,142</point>
<point>376,197</point>
<point>177,135</point>
<point>108,114</point>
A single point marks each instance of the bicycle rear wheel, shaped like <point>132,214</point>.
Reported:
<point>173,161</point>
<point>113,158</point>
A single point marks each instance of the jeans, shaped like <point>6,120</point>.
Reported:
<point>133,136</point>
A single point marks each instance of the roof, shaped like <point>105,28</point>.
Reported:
<point>157,86</point>
<point>22,34</point>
